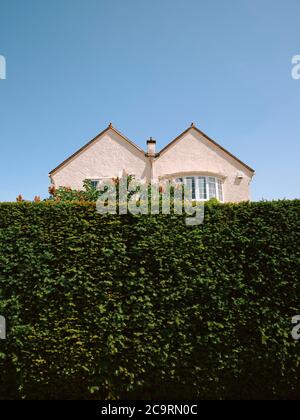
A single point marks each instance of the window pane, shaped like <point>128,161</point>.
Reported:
<point>95,183</point>
<point>190,182</point>
<point>220,190</point>
<point>202,188</point>
<point>212,187</point>
<point>179,180</point>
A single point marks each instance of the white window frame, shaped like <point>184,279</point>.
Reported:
<point>196,181</point>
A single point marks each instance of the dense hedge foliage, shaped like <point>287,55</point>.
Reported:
<point>146,307</point>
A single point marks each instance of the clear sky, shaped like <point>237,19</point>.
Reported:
<point>151,67</point>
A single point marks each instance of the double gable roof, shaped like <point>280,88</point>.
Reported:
<point>178,138</point>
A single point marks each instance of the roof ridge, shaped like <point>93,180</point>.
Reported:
<point>111,127</point>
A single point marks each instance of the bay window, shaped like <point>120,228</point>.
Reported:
<point>203,187</point>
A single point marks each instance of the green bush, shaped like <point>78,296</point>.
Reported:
<point>146,307</point>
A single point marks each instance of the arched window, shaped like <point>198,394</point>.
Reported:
<point>203,187</point>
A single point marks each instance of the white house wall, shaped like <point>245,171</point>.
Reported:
<point>108,156</point>
<point>194,154</point>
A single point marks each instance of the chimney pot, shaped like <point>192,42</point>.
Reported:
<point>151,147</point>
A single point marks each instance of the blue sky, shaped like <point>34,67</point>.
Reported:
<point>150,67</point>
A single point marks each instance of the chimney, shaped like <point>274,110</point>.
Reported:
<point>151,146</point>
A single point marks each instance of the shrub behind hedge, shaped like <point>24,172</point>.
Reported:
<point>146,307</point>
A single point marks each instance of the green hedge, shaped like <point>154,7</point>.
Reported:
<point>146,307</point>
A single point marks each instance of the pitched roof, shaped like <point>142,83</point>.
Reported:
<point>193,127</point>
<point>110,127</point>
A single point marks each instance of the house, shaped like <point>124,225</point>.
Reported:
<point>192,158</point>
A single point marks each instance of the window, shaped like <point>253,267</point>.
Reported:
<point>190,183</point>
<point>212,190</point>
<point>95,183</point>
<point>220,189</point>
<point>203,187</point>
